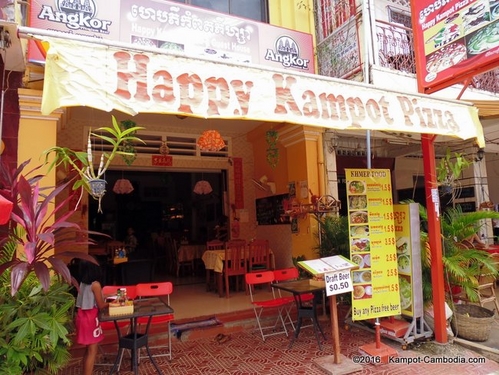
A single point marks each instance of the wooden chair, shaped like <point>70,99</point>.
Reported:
<point>144,290</point>
<point>177,265</point>
<point>235,264</point>
<point>259,255</point>
<point>210,275</point>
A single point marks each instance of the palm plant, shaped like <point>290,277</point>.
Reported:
<point>334,236</point>
<point>462,266</point>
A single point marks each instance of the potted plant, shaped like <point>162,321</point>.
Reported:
<point>36,309</point>
<point>462,266</point>
<point>333,236</point>
<point>120,136</point>
<point>449,170</point>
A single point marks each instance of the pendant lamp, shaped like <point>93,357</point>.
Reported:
<point>202,187</point>
<point>210,140</point>
<point>123,186</point>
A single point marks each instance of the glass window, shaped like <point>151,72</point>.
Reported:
<point>253,9</point>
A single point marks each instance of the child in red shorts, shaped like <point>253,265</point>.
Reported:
<point>89,301</point>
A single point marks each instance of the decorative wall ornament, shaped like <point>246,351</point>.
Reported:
<point>271,136</point>
<point>164,149</point>
<point>210,140</point>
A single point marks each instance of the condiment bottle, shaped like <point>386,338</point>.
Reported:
<point>123,297</point>
<point>118,296</point>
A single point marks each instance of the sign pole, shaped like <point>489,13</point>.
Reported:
<point>335,333</point>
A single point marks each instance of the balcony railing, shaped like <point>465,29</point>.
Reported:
<point>395,51</point>
<point>395,47</point>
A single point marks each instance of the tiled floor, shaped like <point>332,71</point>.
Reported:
<point>246,353</point>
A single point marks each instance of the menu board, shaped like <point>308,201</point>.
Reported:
<point>372,244</point>
<point>454,37</point>
<point>408,243</point>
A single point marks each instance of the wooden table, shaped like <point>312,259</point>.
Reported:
<point>134,340</point>
<point>298,288</point>
<point>187,253</point>
<point>214,261</point>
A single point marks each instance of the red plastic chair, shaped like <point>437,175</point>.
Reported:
<point>145,290</point>
<point>290,274</point>
<point>279,304</point>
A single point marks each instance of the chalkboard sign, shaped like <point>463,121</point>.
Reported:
<point>270,210</point>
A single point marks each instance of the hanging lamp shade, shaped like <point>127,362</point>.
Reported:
<point>123,186</point>
<point>210,140</point>
<point>5,210</point>
<point>202,187</point>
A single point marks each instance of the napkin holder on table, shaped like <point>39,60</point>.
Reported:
<point>116,309</point>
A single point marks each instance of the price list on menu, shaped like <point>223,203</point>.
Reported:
<point>372,244</point>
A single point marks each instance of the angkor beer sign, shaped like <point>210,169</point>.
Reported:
<point>454,40</point>
<point>178,28</point>
<point>110,78</point>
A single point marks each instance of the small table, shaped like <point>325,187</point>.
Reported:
<point>134,340</point>
<point>298,288</point>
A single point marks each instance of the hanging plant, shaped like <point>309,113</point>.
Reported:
<point>129,153</point>
<point>82,161</point>
<point>271,136</point>
<point>450,167</point>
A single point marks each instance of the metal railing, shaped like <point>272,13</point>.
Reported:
<point>395,51</point>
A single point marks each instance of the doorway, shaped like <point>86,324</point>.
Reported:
<point>161,200</point>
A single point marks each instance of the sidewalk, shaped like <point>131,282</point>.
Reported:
<point>246,353</point>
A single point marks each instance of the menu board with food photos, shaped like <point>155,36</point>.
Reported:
<point>408,243</point>
<point>372,244</point>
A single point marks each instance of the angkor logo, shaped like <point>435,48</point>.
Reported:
<point>76,15</point>
<point>287,52</point>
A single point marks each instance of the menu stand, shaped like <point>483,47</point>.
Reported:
<point>337,363</point>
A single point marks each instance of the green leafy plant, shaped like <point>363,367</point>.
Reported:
<point>32,212</point>
<point>462,266</point>
<point>450,167</point>
<point>271,137</point>
<point>120,137</point>
<point>129,153</point>
<point>334,236</point>
<point>35,323</point>
<point>36,307</point>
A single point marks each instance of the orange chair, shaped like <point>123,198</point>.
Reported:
<point>290,274</point>
<point>259,306</point>
<point>259,255</point>
<point>162,289</point>
<point>235,263</point>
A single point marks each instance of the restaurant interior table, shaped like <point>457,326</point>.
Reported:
<point>305,311</point>
<point>214,260</point>
<point>134,340</point>
<point>190,252</point>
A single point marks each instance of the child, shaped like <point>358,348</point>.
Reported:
<point>89,301</point>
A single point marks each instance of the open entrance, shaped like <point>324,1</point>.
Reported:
<point>169,201</point>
